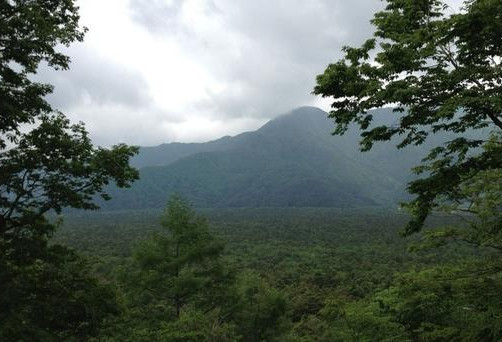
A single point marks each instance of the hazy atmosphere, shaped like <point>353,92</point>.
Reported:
<point>150,72</point>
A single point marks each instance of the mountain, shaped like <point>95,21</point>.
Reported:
<point>292,161</point>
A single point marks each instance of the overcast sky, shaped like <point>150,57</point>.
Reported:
<point>155,71</point>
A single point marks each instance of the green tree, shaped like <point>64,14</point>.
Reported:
<point>258,309</point>
<point>197,326</point>
<point>46,164</point>
<point>30,31</point>
<point>181,265</point>
<point>361,320</point>
<point>442,72</point>
<point>51,297</point>
<point>445,303</point>
<point>477,202</point>
<point>54,164</point>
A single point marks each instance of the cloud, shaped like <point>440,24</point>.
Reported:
<point>94,79</point>
<point>156,15</point>
<point>154,71</point>
<point>264,54</point>
<point>115,102</point>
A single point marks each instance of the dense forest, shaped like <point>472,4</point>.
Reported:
<point>293,274</point>
<point>232,250</point>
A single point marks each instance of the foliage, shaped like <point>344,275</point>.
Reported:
<point>359,321</point>
<point>259,310</point>
<point>31,31</point>
<point>442,71</point>
<point>302,274</point>
<point>55,166</point>
<point>48,293</point>
<point>477,202</point>
<point>446,303</point>
<point>182,262</point>
<point>46,164</point>
<point>198,326</point>
<point>51,163</point>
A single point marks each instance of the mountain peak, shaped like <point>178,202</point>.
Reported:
<point>302,119</point>
<point>303,111</point>
<point>291,161</point>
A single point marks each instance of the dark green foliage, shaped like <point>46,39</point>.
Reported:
<point>46,164</point>
<point>31,30</point>
<point>446,303</point>
<point>442,73</point>
<point>259,310</point>
<point>198,326</point>
<point>53,165</point>
<point>47,292</point>
<point>305,274</point>
<point>478,201</point>
<point>182,262</point>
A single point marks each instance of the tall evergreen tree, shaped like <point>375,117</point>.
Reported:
<point>180,265</point>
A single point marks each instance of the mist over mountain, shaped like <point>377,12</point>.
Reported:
<point>292,161</point>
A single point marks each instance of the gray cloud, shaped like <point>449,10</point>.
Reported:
<point>156,15</point>
<point>112,100</point>
<point>268,52</point>
<point>93,78</point>
<point>263,56</point>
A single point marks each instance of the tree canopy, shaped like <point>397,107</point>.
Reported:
<point>30,33</point>
<point>182,262</point>
<point>53,164</point>
<point>47,163</point>
<point>441,70</point>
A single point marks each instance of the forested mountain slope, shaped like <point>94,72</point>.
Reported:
<point>291,161</point>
